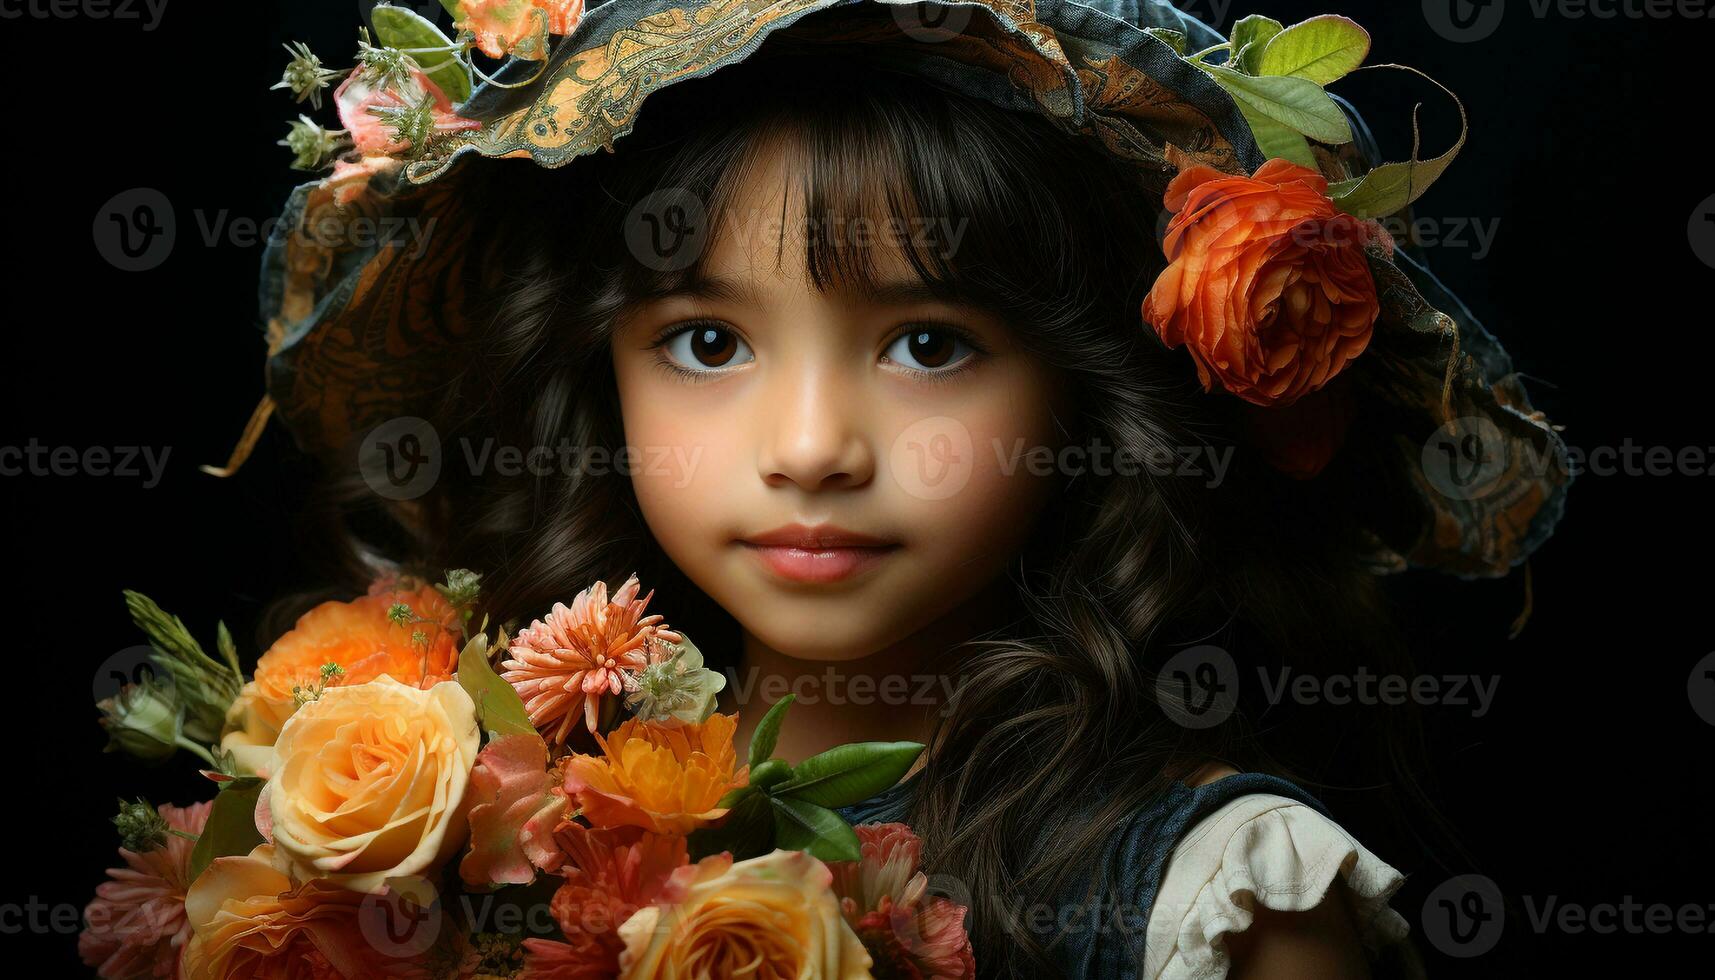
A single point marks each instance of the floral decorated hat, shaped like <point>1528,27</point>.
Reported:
<point>1281,287</point>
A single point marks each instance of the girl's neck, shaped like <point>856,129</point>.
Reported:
<point>898,693</point>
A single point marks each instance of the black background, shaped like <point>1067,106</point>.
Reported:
<point>1589,783</point>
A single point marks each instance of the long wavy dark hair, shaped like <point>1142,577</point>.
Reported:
<point>1122,572</point>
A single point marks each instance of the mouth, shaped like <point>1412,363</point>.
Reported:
<point>819,554</point>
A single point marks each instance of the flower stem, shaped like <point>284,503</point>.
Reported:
<point>185,743</point>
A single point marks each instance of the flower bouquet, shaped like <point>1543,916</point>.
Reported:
<point>396,793</point>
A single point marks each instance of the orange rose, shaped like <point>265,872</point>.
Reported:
<point>249,920</point>
<point>1267,284</point>
<point>365,643</point>
<point>662,777</point>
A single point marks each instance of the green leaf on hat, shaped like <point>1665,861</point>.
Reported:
<point>397,27</point>
<point>802,826</point>
<point>1296,103</point>
<point>1276,140</point>
<point>1321,50</point>
<point>1173,39</point>
<point>1390,187</point>
<point>1250,35</point>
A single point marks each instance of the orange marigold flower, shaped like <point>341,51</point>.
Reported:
<point>563,666</point>
<point>1267,284</point>
<point>363,639</point>
<point>663,778</point>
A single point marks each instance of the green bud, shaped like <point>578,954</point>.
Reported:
<point>143,721</point>
<point>141,826</point>
<point>304,74</point>
<point>462,587</point>
<point>769,773</point>
<point>310,144</point>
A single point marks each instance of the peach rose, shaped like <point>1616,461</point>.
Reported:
<point>772,917</point>
<point>369,783</point>
<point>362,640</point>
<point>1267,284</point>
<point>249,920</point>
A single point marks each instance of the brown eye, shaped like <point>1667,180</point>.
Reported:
<point>706,347</point>
<point>929,349</point>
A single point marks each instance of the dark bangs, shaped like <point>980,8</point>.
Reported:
<point>1018,219</point>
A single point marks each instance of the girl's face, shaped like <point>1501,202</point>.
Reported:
<point>837,470</point>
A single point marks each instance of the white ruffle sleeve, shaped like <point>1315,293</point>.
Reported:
<point>1260,849</point>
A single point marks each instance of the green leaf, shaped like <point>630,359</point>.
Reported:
<point>228,649</point>
<point>453,7</point>
<point>746,831</point>
<point>733,796</point>
<point>1296,103</point>
<point>231,827</point>
<point>1391,187</point>
<point>1276,140</point>
<point>768,731</point>
<point>407,30</point>
<point>498,706</point>
<point>769,773</point>
<point>1250,34</point>
<point>1173,39</point>
<point>802,826</point>
<point>1321,50</point>
<point>848,774</point>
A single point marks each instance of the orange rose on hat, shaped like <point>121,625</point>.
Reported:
<point>1267,284</point>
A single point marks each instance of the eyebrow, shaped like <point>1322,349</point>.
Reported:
<point>893,292</point>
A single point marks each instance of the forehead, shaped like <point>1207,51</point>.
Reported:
<point>761,229</point>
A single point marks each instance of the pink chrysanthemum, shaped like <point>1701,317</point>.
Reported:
<point>594,648</point>
<point>136,925</point>
<point>884,897</point>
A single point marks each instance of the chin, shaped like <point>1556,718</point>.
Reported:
<point>818,640</point>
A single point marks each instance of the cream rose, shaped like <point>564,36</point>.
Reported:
<point>369,782</point>
<point>775,916</point>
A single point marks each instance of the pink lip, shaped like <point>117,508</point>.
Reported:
<point>823,553</point>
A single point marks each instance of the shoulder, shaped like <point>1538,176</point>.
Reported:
<point>1265,877</point>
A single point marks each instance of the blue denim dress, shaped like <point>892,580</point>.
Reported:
<point>1108,944</point>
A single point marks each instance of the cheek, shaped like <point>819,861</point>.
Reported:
<point>679,448</point>
<point>971,480</point>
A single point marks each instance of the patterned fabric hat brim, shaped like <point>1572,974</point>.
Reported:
<point>1474,480</point>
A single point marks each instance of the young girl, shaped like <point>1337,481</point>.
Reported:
<point>846,363</point>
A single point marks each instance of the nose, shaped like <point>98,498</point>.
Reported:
<point>813,435</point>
